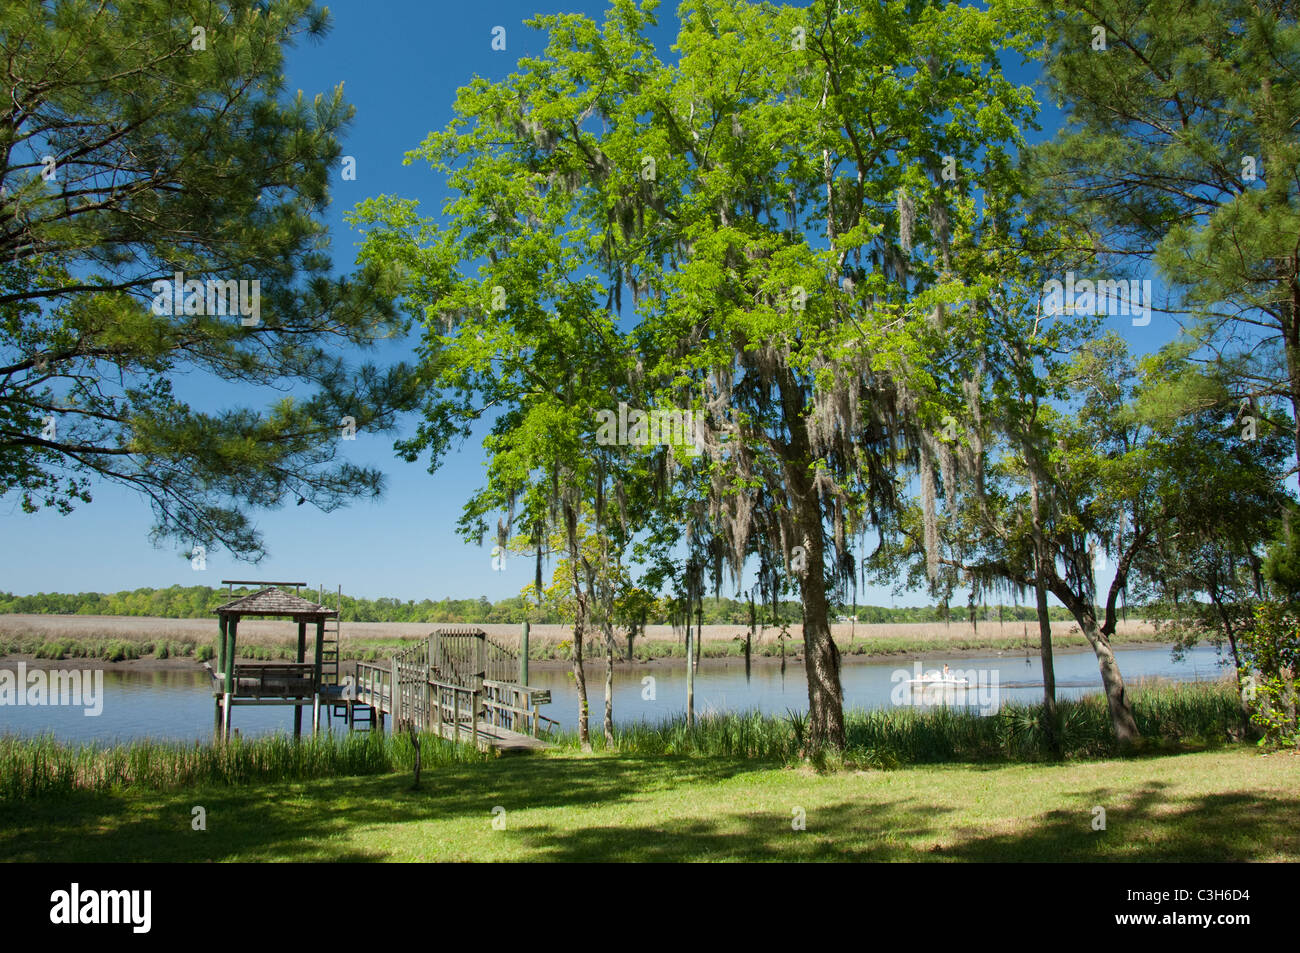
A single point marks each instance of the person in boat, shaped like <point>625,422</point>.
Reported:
<point>945,669</point>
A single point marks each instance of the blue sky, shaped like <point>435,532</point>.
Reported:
<point>401,62</point>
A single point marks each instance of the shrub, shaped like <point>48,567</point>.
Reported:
<point>1270,647</point>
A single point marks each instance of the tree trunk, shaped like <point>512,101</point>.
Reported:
<point>579,627</point>
<point>1121,711</point>
<point>749,636</point>
<point>580,679</point>
<point>1225,620</point>
<point>699,625</point>
<point>609,692</point>
<point>1044,619</point>
<point>1049,670</point>
<point>821,656</point>
<point>1242,702</point>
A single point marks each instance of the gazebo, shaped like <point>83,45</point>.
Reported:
<point>283,683</point>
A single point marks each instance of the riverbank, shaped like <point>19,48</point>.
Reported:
<point>594,665</point>
<point>126,639</point>
<point>1231,805</point>
<point>1169,717</point>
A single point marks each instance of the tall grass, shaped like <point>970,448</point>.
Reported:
<point>1199,714</point>
<point>1167,716</point>
<point>43,766</point>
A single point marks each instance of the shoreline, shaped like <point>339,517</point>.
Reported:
<point>590,662</point>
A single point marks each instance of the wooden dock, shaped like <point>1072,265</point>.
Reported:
<point>429,687</point>
<point>458,683</point>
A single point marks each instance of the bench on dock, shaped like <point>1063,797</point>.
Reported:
<point>268,679</point>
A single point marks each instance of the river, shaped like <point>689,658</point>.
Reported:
<point>177,704</point>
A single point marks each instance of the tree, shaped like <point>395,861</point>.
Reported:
<point>159,216</point>
<point>759,201</point>
<point>1180,150</point>
<point>596,589</point>
<point>1129,470</point>
<point>1271,649</point>
<point>1203,578</point>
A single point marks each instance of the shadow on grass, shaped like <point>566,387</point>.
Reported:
<point>1142,827</point>
<point>317,821</point>
<point>297,821</point>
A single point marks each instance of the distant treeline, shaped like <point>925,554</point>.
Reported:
<point>193,602</point>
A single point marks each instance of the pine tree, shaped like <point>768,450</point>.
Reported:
<point>146,144</point>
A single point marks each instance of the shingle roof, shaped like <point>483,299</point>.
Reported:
<point>272,601</point>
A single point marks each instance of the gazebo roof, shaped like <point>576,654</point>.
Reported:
<point>272,601</point>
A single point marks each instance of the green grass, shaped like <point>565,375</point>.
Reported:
<point>1169,716</point>
<point>109,649</point>
<point>34,768</point>
<point>1227,805</point>
<point>726,791</point>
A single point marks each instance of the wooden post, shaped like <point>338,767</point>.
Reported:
<point>221,642</point>
<point>473,715</point>
<point>397,699</point>
<point>302,657</point>
<point>437,694</point>
<point>232,630</point>
<point>480,663</point>
<point>435,644</point>
<point>320,644</point>
<point>455,712</point>
<point>523,655</point>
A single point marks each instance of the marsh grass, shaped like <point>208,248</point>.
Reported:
<point>43,766</point>
<point>1169,717</point>
<point>77,636</point>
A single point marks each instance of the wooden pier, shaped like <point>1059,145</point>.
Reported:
<point>301,684</point>
<point>442,687</point>
<point>457,683</point>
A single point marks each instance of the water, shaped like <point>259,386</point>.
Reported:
<point>177,704</point>
<point>722,686</point>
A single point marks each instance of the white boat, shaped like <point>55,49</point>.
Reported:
<point>939,679</point>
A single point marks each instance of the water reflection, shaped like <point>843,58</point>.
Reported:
<point>177,704</point>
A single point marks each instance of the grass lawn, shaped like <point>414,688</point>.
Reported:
<point>1224,805</point>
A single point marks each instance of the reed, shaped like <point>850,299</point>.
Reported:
<point>1167,715</point>
<point>43,766</point>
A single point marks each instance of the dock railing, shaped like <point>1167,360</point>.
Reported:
<point>411,695</point>
<point>514,706</point>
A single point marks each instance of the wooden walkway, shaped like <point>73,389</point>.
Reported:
<point>429,688</point>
